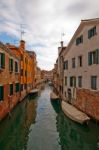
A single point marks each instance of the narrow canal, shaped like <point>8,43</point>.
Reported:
<point>39,124</point>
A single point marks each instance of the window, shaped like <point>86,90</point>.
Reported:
<point>93,57</point>
<point>25,60</point>
<point>21,72</point>
<point>80,81</point>
<point>25,86</point>
<point>73,63</point>
<point>21,87</point>
<point>65,80</point>
<point>17,85</point>
<point>11,89</point>
<point>2,60</point>
<point>94,82</point>
<point>16,66</point>
<point>80,61</point>
<point>21,57</point>
<point>65,94</point>
<point>11,64</point>
<point>73,81</point>
<point>65,64</point>
<point>79,40</point>
<point>25,73</point>
<point>1,93</point>
<point>91,32</point>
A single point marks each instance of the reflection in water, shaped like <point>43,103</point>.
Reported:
<point>74,136</point>
<point>14,131</point>
<point>39,124</point>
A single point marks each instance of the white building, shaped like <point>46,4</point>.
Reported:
<point>81,68</point>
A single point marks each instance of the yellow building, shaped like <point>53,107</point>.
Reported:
<point>27,68</point>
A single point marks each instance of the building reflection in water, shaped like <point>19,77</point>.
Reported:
<point>74,136</point>
<point>16,129</point>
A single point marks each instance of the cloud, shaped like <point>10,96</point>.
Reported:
<point>44,21</point>
<point>77,8</point>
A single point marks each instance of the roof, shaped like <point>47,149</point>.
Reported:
<point>8,50</point>
<point>80,27</point>
<point>92,19</point>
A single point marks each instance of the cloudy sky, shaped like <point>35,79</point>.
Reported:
<point>43,22</point>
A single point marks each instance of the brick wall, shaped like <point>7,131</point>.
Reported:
<point>88,102</point>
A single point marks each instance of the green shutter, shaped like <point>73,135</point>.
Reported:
<point>11,64</point>
<point>17,87</point>
<point>97,56</point>
<point>90,58</point>
<point>89,34</point>
<point>2,60</point>
<point>11,89</point>
<point>1,92</point>
<point>74,81</point>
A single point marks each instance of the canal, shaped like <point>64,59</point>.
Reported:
<point>39,124</point>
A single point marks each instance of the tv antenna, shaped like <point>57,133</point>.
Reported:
<point>62,34</point>
<point>22,26</point>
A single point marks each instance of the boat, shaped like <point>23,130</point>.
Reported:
<point>34,91</point>
<point>74,114</point>
<point>53,96</point>
<point>50,83</point>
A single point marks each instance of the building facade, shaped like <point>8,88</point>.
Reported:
<point>27,67</point>
<point>9,80</point>
<point>61,54</point>
<point>17,75</point>
<point>81,68</point>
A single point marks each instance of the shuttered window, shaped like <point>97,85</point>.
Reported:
<point>91,32</point>
<point>73,81</point>
<point>16,66</point>
<point>11,89</point>
<point>11,64</point>
<point>80,81</point>
<point>94,82</point>
<point>21,72</point>
<point>2,60</point>
<point>79,40</point>
<point>97,56</point>
<point>1,93</point>
<point>73,63</point>
<point>65,80</point>
<point>21,87</point>
<point>65,64</point>
<point>17,85</point>
<point>80,61</point>
<point>93,57</point>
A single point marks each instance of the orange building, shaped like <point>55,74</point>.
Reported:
<point>17,75</point>
<point>27,67</point>
<point>33,67</point>
<point>9,80</point>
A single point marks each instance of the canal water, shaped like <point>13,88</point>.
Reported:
<point>39,124</point>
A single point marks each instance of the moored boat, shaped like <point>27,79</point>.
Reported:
<point>34,91</point>
<point>53,96</point>
<point>74,114</point>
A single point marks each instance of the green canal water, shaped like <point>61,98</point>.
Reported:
<point>39,124</point>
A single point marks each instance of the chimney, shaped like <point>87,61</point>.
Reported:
<point>61,44</point>
<point>22,44</point>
